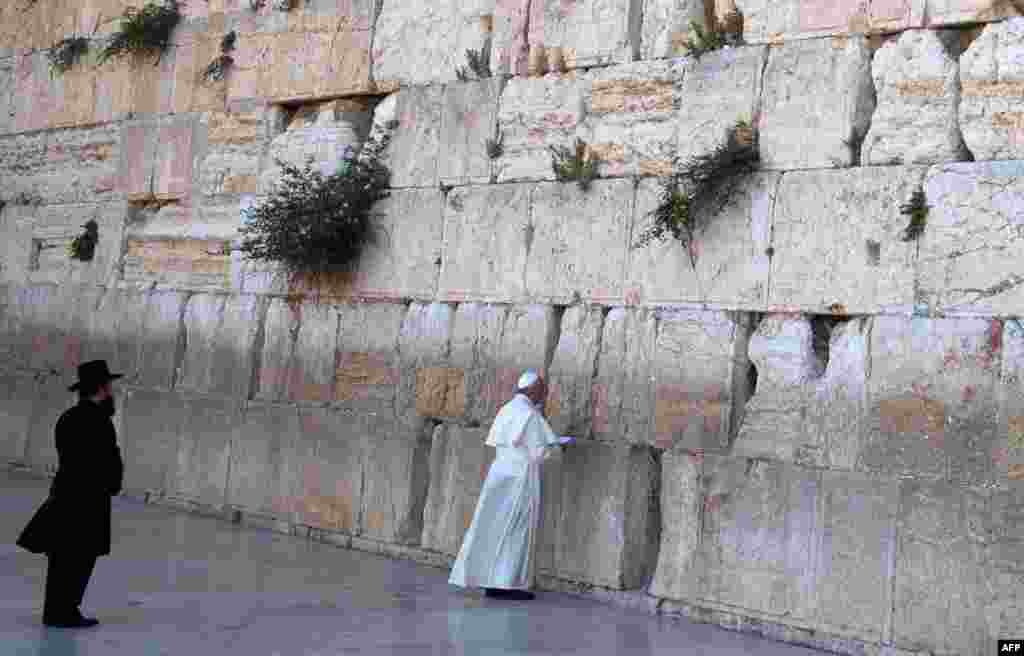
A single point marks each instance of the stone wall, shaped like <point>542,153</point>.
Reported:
<point>806,426</point>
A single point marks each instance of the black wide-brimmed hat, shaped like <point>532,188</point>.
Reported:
<point>93,374</point>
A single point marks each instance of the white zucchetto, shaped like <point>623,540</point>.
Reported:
<point>528,378</point>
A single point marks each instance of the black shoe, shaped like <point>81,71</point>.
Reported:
<point>500,593</point>
<point>71,623</point>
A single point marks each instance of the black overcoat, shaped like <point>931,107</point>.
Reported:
<point>89,472</point>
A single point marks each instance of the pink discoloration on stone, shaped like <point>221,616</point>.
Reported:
<point>970,392</point>
<point>40,343</point>
<point>634,296</point>
<point>560,120</point>
<point>72,352</point>
<point>536,136</point>
<point>635,104</point>
<point>601,418</point>
<point>951,359</point>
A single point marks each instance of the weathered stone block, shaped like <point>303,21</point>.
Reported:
<point>717,90</point>
<point>536,114</point>
<point>289,66</point>
<point>809,120</point>
<point>204,452</point>
<point>1009,452</point>
<point>666,26</point>
<point>152,424</point>
<point>200,264</point>
<point>415,147</point>
<point>235,144</point>
<point>603,514</point>
<point>405,259</point>
<point>631,113</point>
<point>395,479</point>
<point>968,12</point>
<point>440,392</point>
<point>490,347</point>
<point>423,342</point>
<point>974,239</point>
<point>159,358</point>
<point>52,398</point>
<point>570,403</point>
<point>836,241</point>
<point>682,498</point>
<point>459,461</point>
<point>941,586</point>
<point>728,265</point>
<point>299,352</point>
<point>220,333</point>
<point>54,325</point>
<point>368,360</point>
<point>419,43</point>
<point>990,107</point>
<point>70,166</point>
<point>932,398</point>
<point>486,243</point>
<point>583,34</point>
<point>192,93</point>
<point>469,114</point>
<point>17,396</point>
<point>623,392</point>
<point>568,228</point>
<point>772,21</point>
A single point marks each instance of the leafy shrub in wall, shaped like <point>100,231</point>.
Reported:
<point>496,147</point>
<point>143,31</point>
<point>316,226</point>
<point>702,182</point>
<point>478,63</point>
<point>577,163</point>
<point>218,68</point>
<point>83,247</point>
<point>64,54</point>
<point>916,209</point>
<point>727,30</point>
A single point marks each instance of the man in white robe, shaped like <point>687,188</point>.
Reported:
<point>498,550</point>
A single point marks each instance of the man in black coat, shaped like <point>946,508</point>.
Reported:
<point>76,530</point>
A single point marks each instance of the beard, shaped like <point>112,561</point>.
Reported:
<point>108,407</point>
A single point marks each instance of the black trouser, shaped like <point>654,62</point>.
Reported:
<point>67,576</point>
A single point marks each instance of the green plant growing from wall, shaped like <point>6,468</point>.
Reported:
<point>721,32</point>
<point>478,63</point>
<point>143,31</point>
<point>496,147</point>
<point>218,68</point>
<point>83,247</point>
<point>316,226</point>
<point>916,209</point>
<point>574,164</point>
<point>701,189</point>
<point>67,52</point>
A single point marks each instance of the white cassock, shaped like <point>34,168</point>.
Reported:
<point>498,549</point>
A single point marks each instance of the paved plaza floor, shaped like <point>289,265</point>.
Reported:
<point>179,584</point>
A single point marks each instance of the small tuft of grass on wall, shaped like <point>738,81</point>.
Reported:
<point>217,70</point>
<point>478,64</point>
<point>67,52</point>
<point>145,31</point>
<point>83,247</point>
<point>577,164</point>
<point>496,147</point>
<point>916,210</point>
<point>722,32</point>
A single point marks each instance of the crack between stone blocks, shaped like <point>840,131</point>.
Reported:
<point>181,346</point>
<point>378,9</point>
<point>771,237</point>
<point>259,342</point>
<point>553,335</point>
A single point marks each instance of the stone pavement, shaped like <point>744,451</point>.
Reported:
<point>179,584</point>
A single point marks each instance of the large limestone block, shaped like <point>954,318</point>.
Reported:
<point>671,378</point>
<point>52,399</point>
<point>415,147</point>
<point>666,26</point>
<point>941,581</point>
<point>932,398</point>
<point>368,363</point>
<point>459,461</point>
<point>395,478</point>
<point>204,452</point>
<point>836,241</point>
<point>420,43</point>
<point>427,385</point>
<point>235,145</point>
<point>810,120</point>
<point>53,227</point>
<point>570,404</point>
<point>1005,610</point>
<point>718,89</point>
<point>536,114</point>
<point>602,512</point>
<point>969,12</point>
<point>299,352</point>
<point>682,497</point>
<point>490,346</point>
<point>292,65</point>
<point>808,409</point>
<point>1009,452</point>
<point>152,424</point>
<point>727,265</point>
<point>918,96</point>
<point>631,113</point>
<point>584,34</point>
<point>578,240</point>
<point>269,453</point>
<point>973,242</point>
<point>469,116</point>
<point>54,325</point>
<point>405,259</point>
<point>159,156</point>
<point>220,334</point>
<point>160,339</point>
<point>990,106</point>
<point>774,21</point>
<point>193,93</point>
<point>486,243</point>
<point>17,395</point>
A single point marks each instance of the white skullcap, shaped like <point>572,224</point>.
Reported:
<point>528,378</point>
